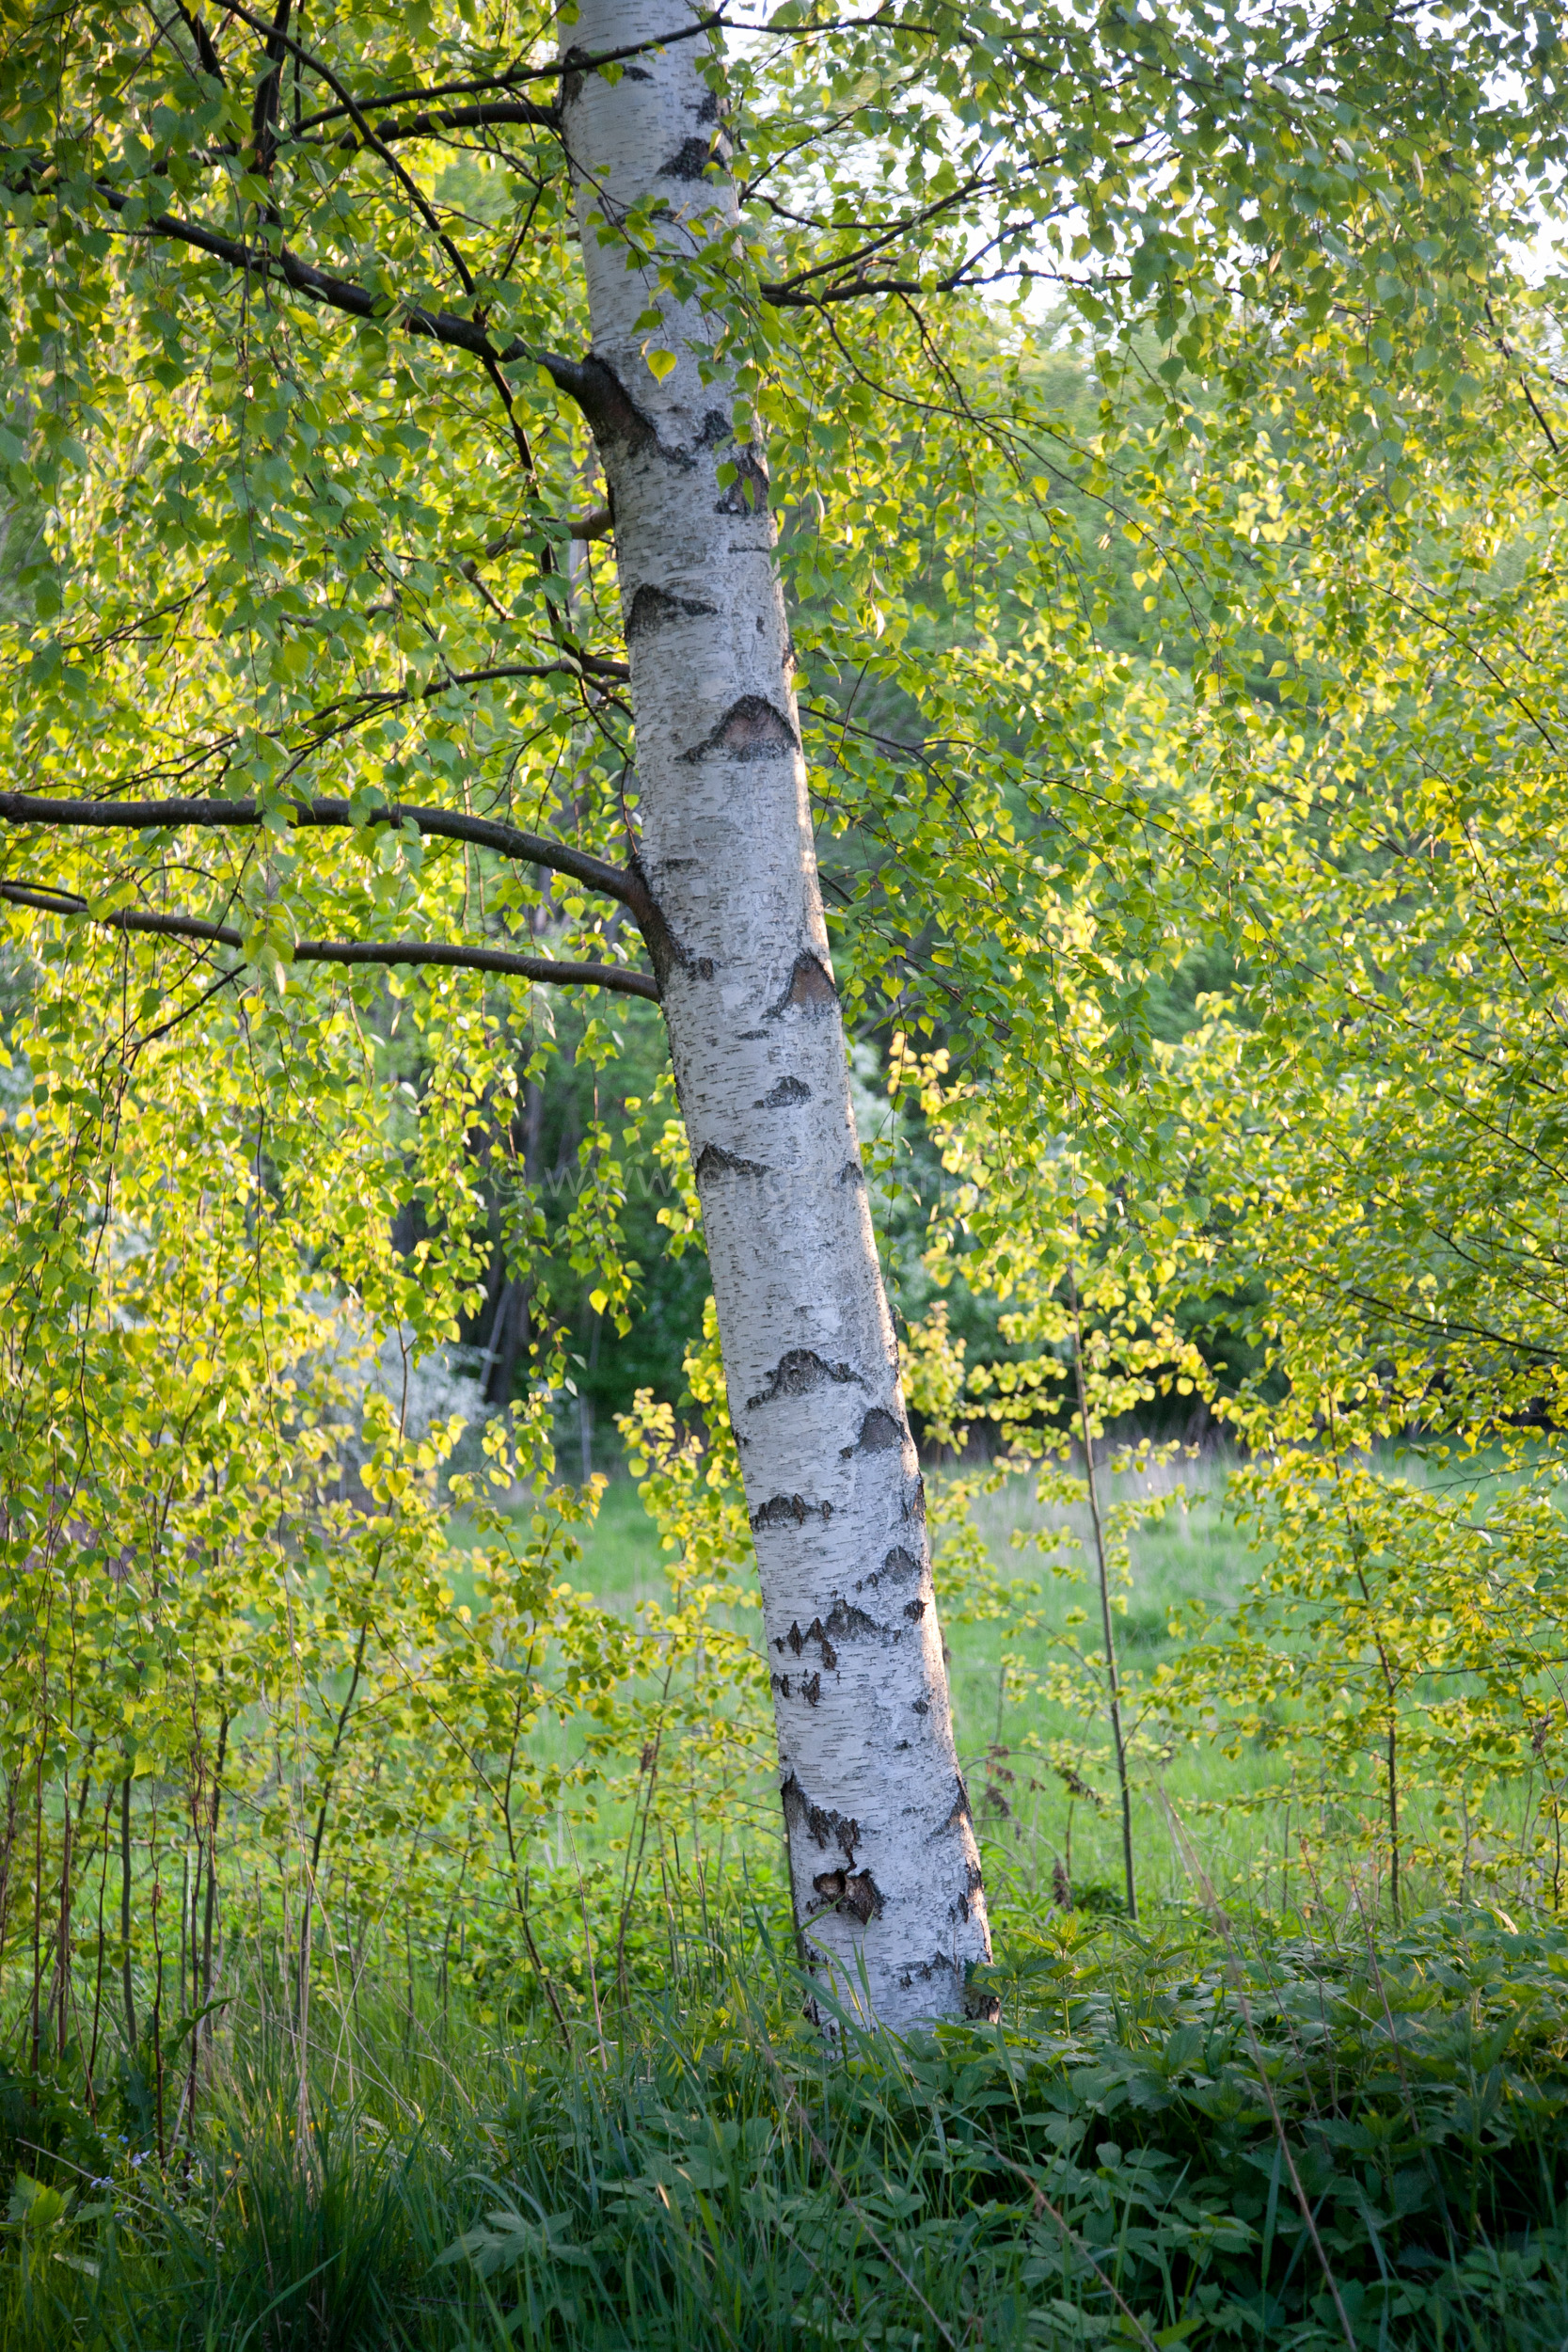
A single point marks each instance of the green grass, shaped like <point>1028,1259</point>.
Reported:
<point>1293,2126</point>
<point>1194,1554</point>
<point>1031,1824</point>
<point>1028,1819</point>
<point>1119,2164</point>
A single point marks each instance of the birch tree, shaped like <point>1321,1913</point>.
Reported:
<point>307,380</point>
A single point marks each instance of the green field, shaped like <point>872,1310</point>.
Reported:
<point>1027,1818</point>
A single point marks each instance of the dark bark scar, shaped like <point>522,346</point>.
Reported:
<point>825,1827</point>
<point>652,609</point>
<point>798,1372</point>
<point>879,1434</point>
<point>789,1511</point>
<point>713,1160</point>
<point>898,1565</point>
<point>808,987</point>
<point>853,1892</point>
<point>752,729</point>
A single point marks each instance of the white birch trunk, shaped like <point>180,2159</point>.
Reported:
<point>883,1859</point>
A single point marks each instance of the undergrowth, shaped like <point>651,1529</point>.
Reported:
<point>1173,2135</point>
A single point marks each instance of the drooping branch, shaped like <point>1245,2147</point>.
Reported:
<point>430,125</point>
<point>529,848</point>
<point>333,720</point>
<point>260,260</point>
<point>366,951</point>
<point>278,263</point>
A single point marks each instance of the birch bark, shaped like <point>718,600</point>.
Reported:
<point>885,1865</point>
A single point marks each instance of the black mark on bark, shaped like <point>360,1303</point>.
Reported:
<point>779,1097</point>
<point>814,1634</point>
<point>854,1892</point>
<point>810,1688</point>
<point>879,1434</point>
<point>844,1619</point>
<point>826,1828</point>
<point>914,1610</point>
<point>983,2006</point>
<point>938,1965</point>
<point>651,609</point>
<point>898,1565</point>
<point>750,729</point>
<point>816,1631</point>
<point>609,408</point>
<point>808,987</point>
<point>958,1908</point>
<point>789,1511</point>
<point>664,948</point>
<point>796,1374</point>
<point>748,493</point>
<point>959,1817</point>
<point>862,1897</point>
<point>713,1160</point>
<point>691,160</point>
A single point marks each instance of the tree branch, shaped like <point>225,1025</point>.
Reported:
<point>392,951</point>
<point>206,54</point>
<point>280,40</point>
<point>579,61</point>
<point>262,260</point>
<point>529,848</point>
<point>263,120</point>
<point>337,293</point>
<point>428,125</point>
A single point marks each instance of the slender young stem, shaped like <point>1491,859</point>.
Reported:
<point>322,1812</point>
<point>158,2011</point>
<point>631,1872</point>
<point>520,1889</point>
<point>63,2023</point>
<point>97,1976</point>
<point>1112,1678</point>
<point>125,1907</point>
<point>212,1873</point>
<point>1393,1819</point>
<point>1390,1683</point>
<point>38,1913</point>
<point>8,1853</point>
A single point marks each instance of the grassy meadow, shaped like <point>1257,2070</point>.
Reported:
<point>1277,2120</point>
<point>1194,1558</point>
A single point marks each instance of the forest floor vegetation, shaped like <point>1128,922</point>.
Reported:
<point>1201,2131</point>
